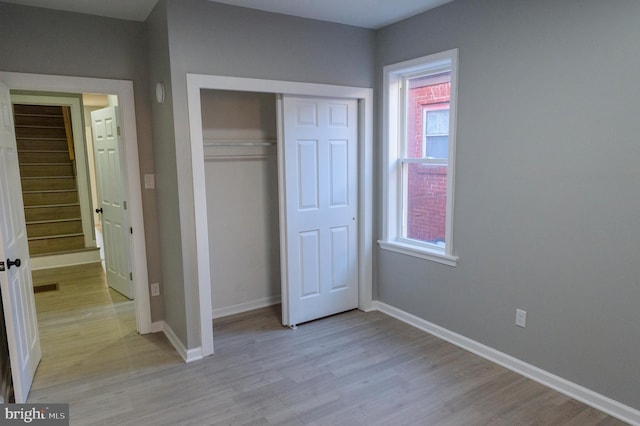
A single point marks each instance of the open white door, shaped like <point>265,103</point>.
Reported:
<point>15,271</point>
<point>113,204</point>
<point>321,183</point>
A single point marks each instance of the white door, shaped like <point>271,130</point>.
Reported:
<point>15,271</point>
<point>321,182</point>
<point>112,196</point>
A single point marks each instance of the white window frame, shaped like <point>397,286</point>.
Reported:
<point>393,210</point>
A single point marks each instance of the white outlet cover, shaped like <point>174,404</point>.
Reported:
<point>149,181</point>
<point>155,289</point>
<point>521,318</point>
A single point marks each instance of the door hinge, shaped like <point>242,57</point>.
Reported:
<point>131,276</point>
<point>1,266</point>
<point>118,130</point>
<point>131,229</point>
<point>124,204</point>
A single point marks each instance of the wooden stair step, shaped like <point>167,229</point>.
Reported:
<point>38,120</point>
<point>37,109</point>
<point>56,244</point>
<point>47,198</point>
<point>46,170</point>
<point>51,183</point>
<point>54,227</point>
<point>41,157</point>
<point>39,144</point>
<point>51,237</point>
<point>40,132</point>
<point>43,213</point>
<point>84,249</point>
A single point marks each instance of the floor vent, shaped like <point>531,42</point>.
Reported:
<point>46,287</point>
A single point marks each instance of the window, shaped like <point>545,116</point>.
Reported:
<point>419,136</point>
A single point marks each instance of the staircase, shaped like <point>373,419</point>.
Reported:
<point>47,171</point>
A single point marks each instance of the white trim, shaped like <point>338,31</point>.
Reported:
<point>573,390</point>
<point>189,355</point>
<point>65,259</point>
<point>200,217</point>
<point>244,307</point>
<point>81,160</point>
<point>282,209</point>
<point>421,253</point>
<point>197,82</point>
<point>124,90</point>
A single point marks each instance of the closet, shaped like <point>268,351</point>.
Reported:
<point>241,172</point>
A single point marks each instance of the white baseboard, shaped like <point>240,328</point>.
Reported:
<point>605,404</point>
<point>66,259</point>
<point>244,307</point>
<point>189,355</point>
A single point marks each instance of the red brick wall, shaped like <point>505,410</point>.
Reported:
<point>427,189</point>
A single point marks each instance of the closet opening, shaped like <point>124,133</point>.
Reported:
<point>198,203</point>
<point>241,177</point>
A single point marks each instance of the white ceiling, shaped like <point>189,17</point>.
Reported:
<point>361,13</point>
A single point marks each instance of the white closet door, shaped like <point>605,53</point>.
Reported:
<point>320,179</point>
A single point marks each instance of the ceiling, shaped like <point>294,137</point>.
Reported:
<point>362,13</point>
<point>132,10</point>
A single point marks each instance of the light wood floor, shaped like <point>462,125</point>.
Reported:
<point>88,331</point>
<point>350,369</point>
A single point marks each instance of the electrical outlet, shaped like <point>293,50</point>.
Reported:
<point>521,318</point>
<point>149,181</point>
<point>155,289</point>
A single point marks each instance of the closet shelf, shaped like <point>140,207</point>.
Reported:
<point>216,150</point>
<point>218,142</point>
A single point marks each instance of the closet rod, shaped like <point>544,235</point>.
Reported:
<point>217,142</point>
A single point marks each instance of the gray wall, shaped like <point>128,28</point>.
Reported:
<point>164,150</point>
<point>42,41</point>
<point>547,212</point>
<point>217,39</point>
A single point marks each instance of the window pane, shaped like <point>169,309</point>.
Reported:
<point>430,93</point>
<point>425,190</point>
<point>438,122</point>
<point>437,147</point>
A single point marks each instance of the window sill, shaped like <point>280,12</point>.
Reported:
<point>422,253</point>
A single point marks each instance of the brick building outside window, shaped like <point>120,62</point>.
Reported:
<point>427,138</point>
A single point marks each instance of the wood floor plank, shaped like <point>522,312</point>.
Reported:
<point>350,369</point>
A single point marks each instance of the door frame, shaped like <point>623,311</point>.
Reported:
<point>124,90</point>
<point>198,82</point>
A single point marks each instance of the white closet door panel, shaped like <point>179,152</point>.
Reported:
<point>320,169</point>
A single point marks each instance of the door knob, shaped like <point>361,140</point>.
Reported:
<point>15,263</point>
<point>99,210</point>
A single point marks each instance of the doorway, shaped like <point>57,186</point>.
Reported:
<point>66,169</point>
<point>124,91</point>
<point>195,85</point>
